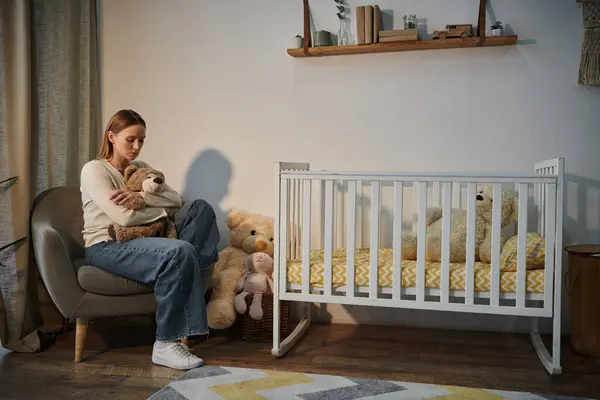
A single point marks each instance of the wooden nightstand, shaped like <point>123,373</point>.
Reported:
<point>583,291</point>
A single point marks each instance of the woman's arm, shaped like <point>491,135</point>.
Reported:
<point>97,184</point>
<point>167,198</point>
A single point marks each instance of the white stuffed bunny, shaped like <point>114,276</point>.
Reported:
<point>257,279</point>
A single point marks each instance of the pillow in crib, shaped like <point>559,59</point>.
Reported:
<point>534,255</point>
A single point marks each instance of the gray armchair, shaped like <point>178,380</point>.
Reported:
<point>79,290</point>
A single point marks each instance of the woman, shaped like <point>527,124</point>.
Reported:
<point>173,266</point>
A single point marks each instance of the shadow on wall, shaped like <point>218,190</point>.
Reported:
<point>580,229</point>
<point>208,178</point>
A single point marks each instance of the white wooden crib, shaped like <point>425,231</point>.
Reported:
<point>332,246</point>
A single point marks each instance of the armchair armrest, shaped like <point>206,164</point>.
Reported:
<point>56,269</point>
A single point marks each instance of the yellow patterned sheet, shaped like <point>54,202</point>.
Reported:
<point>535,277</point>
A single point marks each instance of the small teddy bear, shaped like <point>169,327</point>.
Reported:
<point>257,279</point>
<point>146,180</point>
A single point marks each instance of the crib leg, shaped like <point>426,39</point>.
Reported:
<point>281,349</point>
<point>550,362</point>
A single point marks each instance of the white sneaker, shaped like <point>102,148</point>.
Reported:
<point>175,355</point>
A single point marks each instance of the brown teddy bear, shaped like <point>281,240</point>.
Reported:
<point>458,229</point>
<point>248,233</point>
<point>257,279</point>
<point>146,180</point>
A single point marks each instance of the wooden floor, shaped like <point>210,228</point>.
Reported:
<point>117,362</point>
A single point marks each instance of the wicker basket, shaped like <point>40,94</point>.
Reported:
<point>263,330</point>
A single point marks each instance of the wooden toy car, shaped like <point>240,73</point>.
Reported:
<point>460,30</point>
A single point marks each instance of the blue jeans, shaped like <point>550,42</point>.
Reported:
<point>172,266</point>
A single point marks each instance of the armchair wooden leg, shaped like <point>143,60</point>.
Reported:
<point>81,330</point>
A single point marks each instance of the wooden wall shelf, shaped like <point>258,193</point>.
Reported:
<point>506,40</point>
<point>478,40</point>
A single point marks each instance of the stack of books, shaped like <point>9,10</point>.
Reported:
<point>368,24</point>
<point>368,28</point>
<point>398,35</point>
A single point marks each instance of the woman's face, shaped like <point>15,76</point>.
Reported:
<point>128,143</point>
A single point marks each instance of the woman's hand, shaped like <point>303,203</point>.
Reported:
<point>127,198</point>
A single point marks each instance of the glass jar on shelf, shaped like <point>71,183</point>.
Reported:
<point>410,21</point>
<point>344,34</point>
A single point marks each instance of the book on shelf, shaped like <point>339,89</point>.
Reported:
<point>368,24</point>
<point>376,23</point>
<point>360,25</point>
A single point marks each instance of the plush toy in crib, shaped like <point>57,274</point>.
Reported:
<point>248,233</point>
<point>458,229</point>
<point>146,180</point>
<point>257,279</point>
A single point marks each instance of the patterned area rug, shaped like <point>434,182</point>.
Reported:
<point>213,382</point>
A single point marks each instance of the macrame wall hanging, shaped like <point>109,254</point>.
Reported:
<point>589,67</point>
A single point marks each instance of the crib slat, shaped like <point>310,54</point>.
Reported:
<point>306,216</point>
<point>543,195</point>
<point>283,235</point>
<point>339,219</point>
<point>290,219</point>
<point>360,202</point>
<point>415,203</point>
<point>374,240</point>
<point>446,214</point>
<point>298,217</point>
<point>522,245</point>
<point>328,245</point>
<point>496,225</point>
<point>351,239</point>
<point>537,202</point>
<point>549,236</point>
<point>421,237</point>
<point>293,223</point>
<point>397,238</point>
<point>470,251</point>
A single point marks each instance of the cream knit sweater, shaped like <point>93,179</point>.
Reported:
<point>98,179</point>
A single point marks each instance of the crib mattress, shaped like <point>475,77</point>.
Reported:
<point>535,277</point>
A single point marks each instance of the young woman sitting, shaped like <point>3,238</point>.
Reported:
<point>174,267</point>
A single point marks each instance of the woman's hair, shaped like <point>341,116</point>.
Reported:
<point>122,119</point>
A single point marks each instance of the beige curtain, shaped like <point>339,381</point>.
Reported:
<point>49,127</point>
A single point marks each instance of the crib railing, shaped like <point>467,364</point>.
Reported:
<point>325,210</point>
